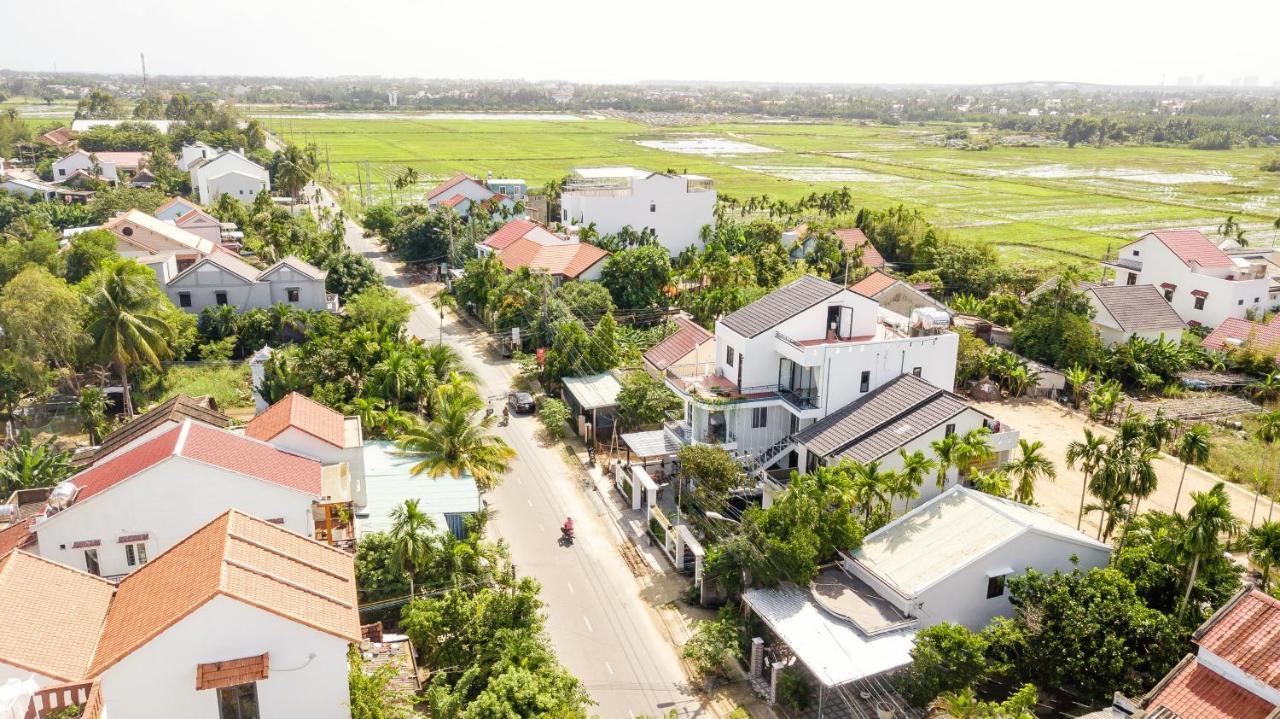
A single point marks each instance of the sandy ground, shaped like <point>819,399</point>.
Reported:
<point>1058,426</point>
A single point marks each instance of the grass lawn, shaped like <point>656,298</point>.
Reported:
<point>1042,203</point>
<point>231,386</point>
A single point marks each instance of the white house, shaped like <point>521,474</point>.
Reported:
<point>795,356</point>
<point>193,152</point>
<point>1232,672</point>
<point>946,560</point>
<point>239,619</point>
<point>113,166</point>
<point>186,214</point>
<point>114,516</point>
<point>675,207</point>
<point>1124,311</point>
<point>222,278</point>
<point>906,413</point>
<point>303,426</point>
<point>462,191</point>
<point>1203,284</point>
<point>228,173</point>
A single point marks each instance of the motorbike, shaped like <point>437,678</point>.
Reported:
<point>566,534</point>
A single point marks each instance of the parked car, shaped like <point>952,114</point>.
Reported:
<point>520,402</point>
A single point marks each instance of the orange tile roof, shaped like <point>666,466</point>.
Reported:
<point>448,185</point>
<point>50,615</point>
<point>59,137</point>
<point>569,259</point>
<point>202,443</point>
<point>454,201</point>
<point>1263,337</point>
<point>298,410</point>
<point>1246,633</point>
<point>686,339</point>
<point>1192,246</point>
<point>853,238</point>
<point>1198,692</point>
<point>17,535</point>
<point>243,558</point>
<point>873,284</point>
<point>508,233</point>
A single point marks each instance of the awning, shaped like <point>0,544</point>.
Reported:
<point>1168,285</point>
<point>594,391</point>
<point>231,672</point>
<point>655,443</point>
<point>1199,293</point>
<point>833,650</point>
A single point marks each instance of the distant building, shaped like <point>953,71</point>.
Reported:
<point>111,167</point>
<point>228,173</point>
<point>1124,311</point>
<point>223,278</point>
<point>675,207</point>
<point>193,152</point>
<point>801,240</point>
<point>62,138</point>
<point>462,191</point>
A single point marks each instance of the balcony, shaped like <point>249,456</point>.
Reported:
<point>801,399</point>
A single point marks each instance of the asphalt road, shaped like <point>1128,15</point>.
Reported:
<point>600,624</point>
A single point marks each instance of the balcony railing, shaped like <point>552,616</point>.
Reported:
<point>800,399</point>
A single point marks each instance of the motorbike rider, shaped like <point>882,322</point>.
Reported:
<point>567,528</point>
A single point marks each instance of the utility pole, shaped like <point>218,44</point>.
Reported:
<point>1102,269</point>
<point>143,56</point>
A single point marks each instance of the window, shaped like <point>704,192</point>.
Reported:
<point>759,417</point>
<point>653,207</point>
<point>864,384</point>
<point>291,294</point>
<point>184,299</point>
<point>916,371</point>
<point>238,702</point>
<point>62,172</point>
<point>126,231</point>
<point>1168,295</point>
<point>995,586</point>
<point>1135,253</point>
<point>1255,300</point>
<point>951,429</point>
<point>795,425</point>
<point>1199,303</point>
<point>1133,279</point>
<point>220,298</point>
<point>1239,302</point>
<point>728,356</point>
<point>91,562</point>
<point>135,554</point>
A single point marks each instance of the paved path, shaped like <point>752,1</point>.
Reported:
<point>600,623</point>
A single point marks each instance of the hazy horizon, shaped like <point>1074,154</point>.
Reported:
<point>664,41</point>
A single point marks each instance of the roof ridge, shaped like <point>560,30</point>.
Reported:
<point>228,562</point>
<point>938,391</point>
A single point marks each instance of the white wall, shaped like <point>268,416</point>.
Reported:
<point>242,187</point>
<point>8,671</point>
<point>311,292</point>
<point>469,189</point>
<point>159,679</point>
<point>168,501</point>
<point>660,202</point>
<point>67,166</point>
<point>296,441</point>
<point>1227,298</point>
<point>206,281</point>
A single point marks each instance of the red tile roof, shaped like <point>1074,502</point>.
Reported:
<point>17,535</point>
<point>454,201</point>
<point>853,238</point>
<point>508,233</point>
<point>873,284</point>
<point>202,443</point>
<point>1264,337</point>
<point>303,413</point>
<point>569,259</point>
<point>448,185</point>
<point>686,339</point>
<point>1246,633</point>
<point>1197,692</point>
<point>1192,246</point>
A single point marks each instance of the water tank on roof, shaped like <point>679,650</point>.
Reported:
<point>927,320</point>
<point>63,494</point>
<point>8,513</point>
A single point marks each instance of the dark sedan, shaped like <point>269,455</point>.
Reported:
<point>520,402</point>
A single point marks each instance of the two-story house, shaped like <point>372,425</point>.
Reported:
<point>462,191</point>
<point>110,167</point>
<point>796,356</point>
<point>240,618</point>
<point>228,173</point>
<point>223,278</point>
<point>303,426</point>
<point>1203,284</point>
<point>675,207</point>
<point>164,247</point>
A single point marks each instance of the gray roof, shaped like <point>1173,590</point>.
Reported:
<point>780,305</point>
<point>653,443</point>
<point>594,391</point>
<point>1138,308</point>
<point>884,420</point>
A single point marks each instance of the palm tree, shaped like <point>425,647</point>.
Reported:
<point>945,452</point>
<point>1192,447</point>
<point>442,301</point>
<point>871,488</point>
<point>973,450</point>
<point>1089,454</point>
<point>457,443</point>
<point>1078,378</point>
<point>370,411</point>
<point>1206,523</point>
<point>92,407</point>
<point>1029,468</point>
<point>393,376</point>
<point>1267,388</point>
<point>1264,548</point>
<point>915,466</point>
<point>126,328</point>
<point>995,482</point>
<point>412,538</point>
<point>1259,482</point>
<point>293,170</point>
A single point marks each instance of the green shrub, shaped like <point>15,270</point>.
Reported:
<point>554,414</point>
<point>793,691</point>
<point>218,350</point>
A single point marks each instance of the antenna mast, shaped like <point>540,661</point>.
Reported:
<point>143,55</point>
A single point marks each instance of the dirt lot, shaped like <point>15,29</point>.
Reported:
<point>1058,426</point>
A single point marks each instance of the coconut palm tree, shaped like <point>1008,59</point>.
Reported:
<point>456,442</point>
<point>1031,467</point>
<point>412,538</point>
<point>125,326</point>
<point>1192,448</point>
<point>995,482</point>
<point>1089,454</point>
<point>1259,481</point>
<point>293,170</point>
<point>974,449</point>
<point>1264,548</point>
<point>871,488</point>
<point>442,301</point>
<point>945,452</point>
<point>1207,522</point>
<point>394,375</point>
<point>915,467</point>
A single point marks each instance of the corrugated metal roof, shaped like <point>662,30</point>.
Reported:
<point>890,416</point>
<point>654,443</point>
<point>780,305</point>
<point>594,391</point>
<point>833,649</point>
<point>388,483</point>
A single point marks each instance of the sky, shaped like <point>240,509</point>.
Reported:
<point>838,41</point>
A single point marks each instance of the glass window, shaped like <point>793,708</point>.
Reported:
<point>291,293</point>
<point>220,298</point>
<point>91,562</point>
<point>184,299</point>
<point>759,417</point>
<point>238,702</point>
<point>653,207</point>
<point>1168,295</point>
<point>1199,303</point>
<point>995,587</point>
<point>951,429</point>
<point>1239,302</point>
<point>728,356</point>
<point>1133,279</point>
<point>916,371</point>
<point>135,554</point>
<point>864,384</point>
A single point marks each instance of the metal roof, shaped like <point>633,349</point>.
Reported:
<point>832,649</point>
<point>780,305</point>
<point>594,391</point>
<point>654,443</point>
<point>883,420</point>
<point>388,483</point>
